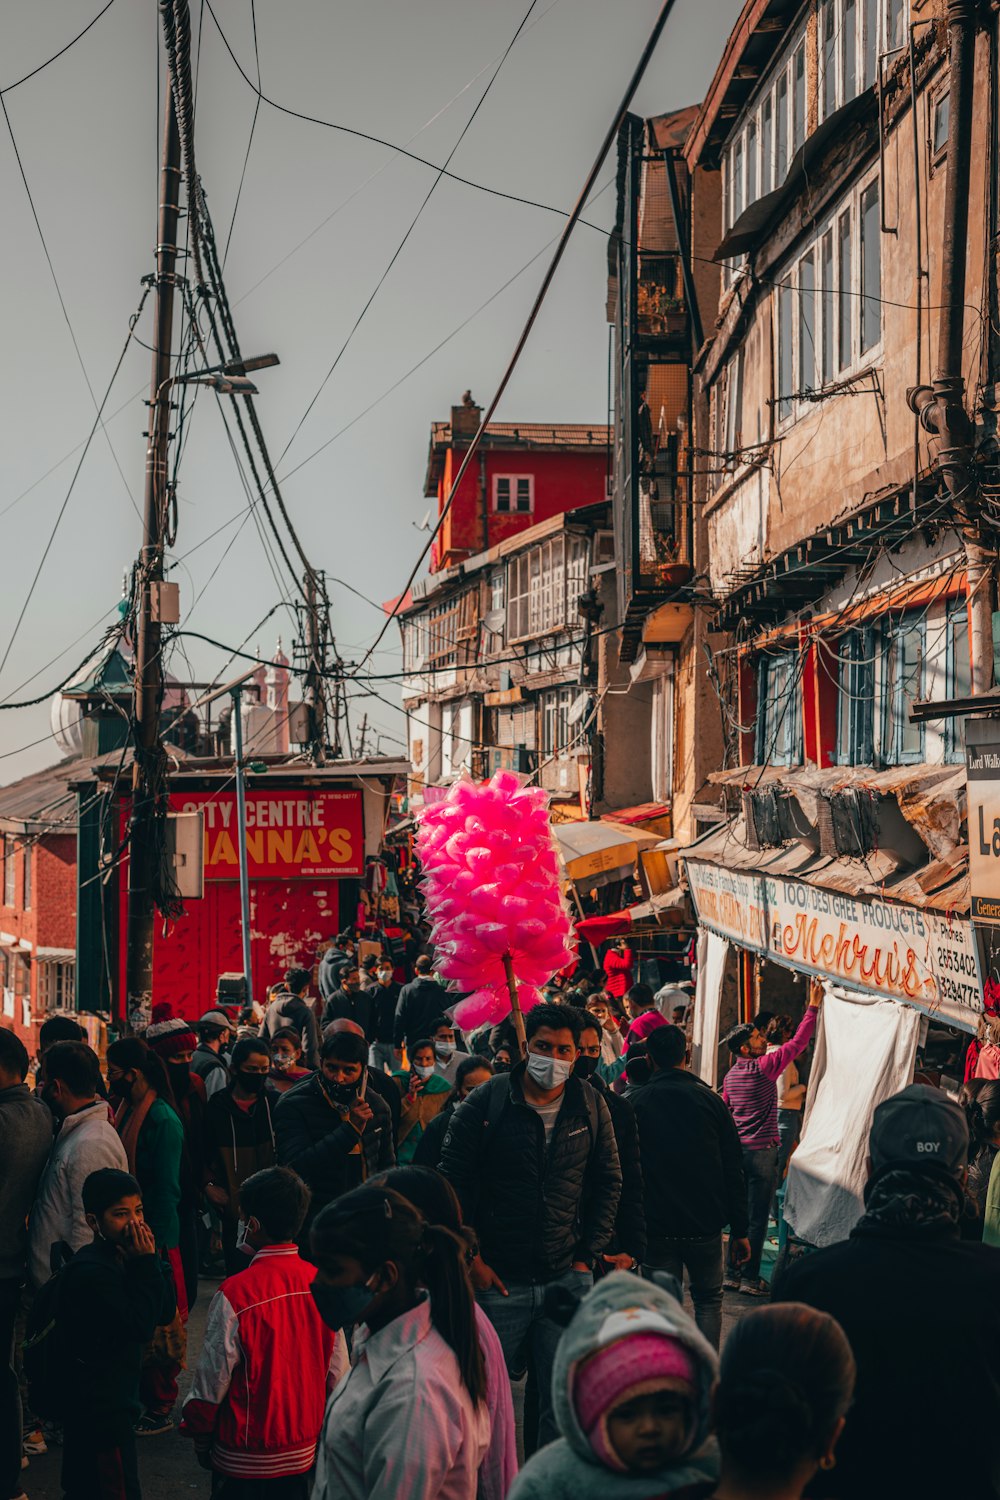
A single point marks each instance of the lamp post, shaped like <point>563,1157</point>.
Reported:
<point>241,829</point>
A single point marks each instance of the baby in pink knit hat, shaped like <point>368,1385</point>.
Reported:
<point>631,1387</point>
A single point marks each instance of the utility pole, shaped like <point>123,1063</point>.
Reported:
<point>241,825</point>
<point>315,664</point>
<point>363,737</point>
<point>145,843</point>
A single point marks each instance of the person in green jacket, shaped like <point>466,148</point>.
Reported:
<point>982,1188</point>
<point>153,1137</point>
<point>424,1095</point>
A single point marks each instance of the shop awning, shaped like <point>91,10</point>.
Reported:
<point>671,908</point>
<point>596,930</point>
<point>600,851</point>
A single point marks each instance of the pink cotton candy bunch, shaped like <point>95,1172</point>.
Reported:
<point>491,885</point>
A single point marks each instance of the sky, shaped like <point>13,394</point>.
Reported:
<point>318,218</point>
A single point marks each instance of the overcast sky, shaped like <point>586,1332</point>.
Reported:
<point>320,215</point>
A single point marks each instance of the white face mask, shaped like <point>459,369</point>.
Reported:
<point>423,1072</point>
<point>548,1072</point>
<point>444,1050</point>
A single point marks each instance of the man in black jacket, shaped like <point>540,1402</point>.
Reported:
<point>420,1002</point>
<point>330,1128</point>
<point>627,1249</point>
<point>384,993</point>
<point>533,1158</point>
<point>919,1307</point>
<point>340,956</point>
<point>351,1003</point>
<point>692,1167</point>
<point>295,1009</point>
<point>112,1296</point>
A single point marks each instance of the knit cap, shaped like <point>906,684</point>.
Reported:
<point>635,1365</point>
<point>170,1036</point>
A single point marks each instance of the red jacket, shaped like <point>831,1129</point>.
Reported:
<point>618,968</point>
<point>259,1391</point>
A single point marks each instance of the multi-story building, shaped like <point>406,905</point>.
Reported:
<point>848,505</point>
<point>661,277</point>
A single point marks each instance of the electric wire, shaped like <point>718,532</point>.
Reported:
<point>10,87</point>
<point>409,230</point>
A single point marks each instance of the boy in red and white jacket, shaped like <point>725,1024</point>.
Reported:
<point>259,1392</point>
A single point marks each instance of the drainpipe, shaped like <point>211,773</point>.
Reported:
<point>941,405</point>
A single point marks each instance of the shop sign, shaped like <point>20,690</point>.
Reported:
<point>982,756</point>
<point>290,834</point>
<point>900,951</point>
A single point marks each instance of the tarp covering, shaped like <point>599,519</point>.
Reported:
<point>865,1052</point>
<point>712,951</point>
<point>588,850</point>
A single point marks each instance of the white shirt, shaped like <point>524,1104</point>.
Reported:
<point>86,1142</point>
<point>401,1426</point>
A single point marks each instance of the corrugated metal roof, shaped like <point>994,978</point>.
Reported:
<point>44,796</point>
<point>535,434</point>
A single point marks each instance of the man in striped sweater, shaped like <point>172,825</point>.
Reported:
<point>751,1091</point>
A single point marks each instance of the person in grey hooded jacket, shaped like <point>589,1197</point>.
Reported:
<point>631,1385</point>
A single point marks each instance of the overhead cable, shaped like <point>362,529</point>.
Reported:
<point>10,87</point>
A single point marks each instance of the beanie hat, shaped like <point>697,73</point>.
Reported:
<point>169,1037</point>
<point>632,1366</point>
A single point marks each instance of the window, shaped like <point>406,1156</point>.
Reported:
<point>513,494</point>
<point>544,584</point>
<point>856,698</point>
<point>779,711</point>
<point>895,38</point>
<point>738,178</point>
<point>557,733</point>
<point>829,311</point>
<point>57,984</point>
<point>9,887</point>
<point>904,678</point>
<point>849,31</point>
<point>752,162</point>
<point>798,97</point>
<point>869,45</point>
<point>871,269</point>
<point>781,115</point>
<point>26,867</point>
<point>785,383</point>
<point>766,145</point>
<point>849,50</point>
<point>734,409</point>
<point>807,323</point>
<point>959,679</point>
<point>939,130</point>
<point>829,56</point>
<point>414,644</point>
<point>442,633</point>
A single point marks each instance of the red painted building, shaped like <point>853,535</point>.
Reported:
<point>310,831</point>
<point>38,906</point>
<point>521,473</point>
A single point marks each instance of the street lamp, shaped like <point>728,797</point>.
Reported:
<point>229,379</point>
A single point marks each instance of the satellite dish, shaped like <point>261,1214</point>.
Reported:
<point>578,708</point>
<point>494,621</point>
<point>425,524</point>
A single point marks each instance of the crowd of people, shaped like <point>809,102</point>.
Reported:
<point>407,1221</point>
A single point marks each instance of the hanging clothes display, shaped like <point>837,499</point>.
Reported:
<point>712,951</point>
<point>865,1052</point>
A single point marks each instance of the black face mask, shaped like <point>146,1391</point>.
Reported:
<point>120,1088</point>
<point>343,1094</point>
<point>585,1067</point>
<point>252,1083</point>
<point>50,1101</point>
<point>180,1077</point>
<point>501,1067</point>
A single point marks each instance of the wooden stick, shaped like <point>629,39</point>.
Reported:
<point>515,1007</point>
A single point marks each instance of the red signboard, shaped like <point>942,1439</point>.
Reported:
<point>290,835</point>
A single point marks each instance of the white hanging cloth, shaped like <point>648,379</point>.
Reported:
<point>712,951</point>
<point>865,1052</point>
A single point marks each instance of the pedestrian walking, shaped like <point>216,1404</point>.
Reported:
<point>611,1037</point>
<point>376,1082</point>
<point>643,1015</point>
<point>153,1137</point>
<point>114,1294</point>
<point>692,1170</point>
<point>906,1254</point>
<point>750,1089</point>
<point>339,956</point>
<point>410,1419</point>
<point>627,1248</point>
<point>85,1141</point>
<point>434,1197</point>
<point>632,1386</point>
<point>983,1185</point>
<point>619,968</point>
<point>791,1098</point>
<point>239,1139</point>
<point>423,1095</point>
<point>384,994</point>
<point>473,1071</point>
<point>448,1058</point>
<point>533,1158</point>
<point>215,1032</point>
<point>294,1010</point>
<point>174,1042</point>
<point>420,1002</point>
<point>257,1398</point>
<point>287,1066</point>
<point>331,1129</point>
<point>349,1002</point>
<point>25,1140</point>
<point>783,1398</point>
